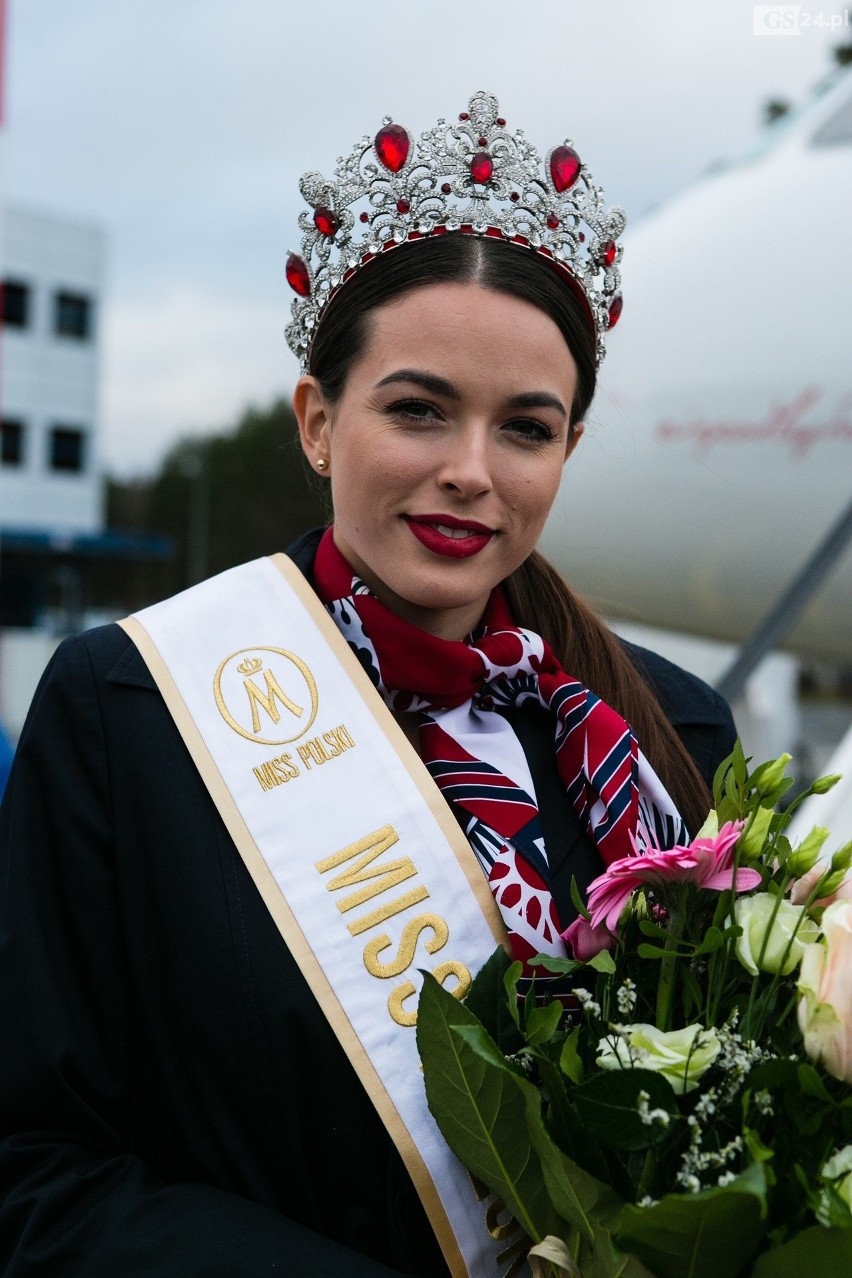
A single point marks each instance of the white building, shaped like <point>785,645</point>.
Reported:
<point>50,482</point>
<point>53,274</point>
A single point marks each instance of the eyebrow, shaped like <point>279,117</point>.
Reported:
<point>440,386</point>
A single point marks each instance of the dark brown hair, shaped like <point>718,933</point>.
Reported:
<point>540,598</point>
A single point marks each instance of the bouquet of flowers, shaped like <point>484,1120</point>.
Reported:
<point>687,1110</point>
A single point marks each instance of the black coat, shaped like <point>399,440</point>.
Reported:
<point>172,1101</point>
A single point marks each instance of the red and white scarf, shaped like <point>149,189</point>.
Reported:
<point>474,756</point>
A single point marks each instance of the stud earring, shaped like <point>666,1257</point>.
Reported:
<point>322,464</point>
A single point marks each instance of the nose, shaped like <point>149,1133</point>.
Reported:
<point>465,467</point>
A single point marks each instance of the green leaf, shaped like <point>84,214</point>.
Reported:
<point>562,1120</point>
<point>603,962</point>
<point>577,898</point>
<point>609,1104</point>
<point>543,1022</point>
<point>711,1234</point>
<point>760,1152</point>
<point>649,928</point>
<point>719,781</point>
<point>575,1194</point>
<point>713,940</point>
<point>608,1262</point>
<point>817,1252</point>
<point>570,1062</point>
<point>732,790</point>
<point>476,1099</point>
<point>510,983</point>
<point>487,1000</point>
<point>727,809</point>
<point>651,951</point>
<point>552,964</point>
<point>738,763</point>
<point>812,1085</point>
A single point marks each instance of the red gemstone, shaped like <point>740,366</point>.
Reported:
<point>608,253</point>
<point>564,167</point>
<point>463,115</point>
<point>392,145</point>
<point>446,188</point>
<point>325,221</point>
<point>402,206</point>
<point>297,275</point>
<point>514,197</point>
<point>494,232</point>
<point>501,123</point>
<point>483,142</point>
<point>481,167</point>
<point>615,310</point>
<point>581,237</point>
<point>363,217</point>
<point>553,222</point>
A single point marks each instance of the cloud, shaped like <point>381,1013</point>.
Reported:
<point>186,362</point>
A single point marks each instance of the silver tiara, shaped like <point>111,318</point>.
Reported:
<point>473,176</point>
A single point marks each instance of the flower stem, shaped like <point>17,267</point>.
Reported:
<point>668,973</point>
<point>647,1176</point>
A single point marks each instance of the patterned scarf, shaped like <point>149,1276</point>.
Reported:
<point>472,753</point>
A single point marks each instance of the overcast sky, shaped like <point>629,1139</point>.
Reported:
<point>182,127</point>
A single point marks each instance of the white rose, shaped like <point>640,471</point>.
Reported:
<point>682,1056</point>
<point>838,1169</point>
<point>782,951</point>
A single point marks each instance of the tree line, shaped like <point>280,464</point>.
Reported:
<point>220,500</point>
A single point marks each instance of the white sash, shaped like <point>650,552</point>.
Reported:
<point>351,845</point>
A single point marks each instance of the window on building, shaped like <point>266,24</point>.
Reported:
<point>67,447</point>
<point>73,316</point>
<point>16,304</point>
<point>11,443</point>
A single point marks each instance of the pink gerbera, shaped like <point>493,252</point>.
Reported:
<point>708,863</point>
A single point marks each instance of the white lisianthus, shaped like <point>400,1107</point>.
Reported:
<point>682,1056</point>
<point>782,951</point>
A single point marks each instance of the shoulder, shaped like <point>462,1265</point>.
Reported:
<point>105,654</point>
<point>74,696</point>
<point>684,697</point>
<point>701,717</point>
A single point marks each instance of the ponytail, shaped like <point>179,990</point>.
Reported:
<point>542,601</point>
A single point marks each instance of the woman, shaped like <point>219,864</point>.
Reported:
<point>173,1100</point>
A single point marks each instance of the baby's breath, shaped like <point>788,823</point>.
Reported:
<point>626,997</point>
<point>648,1116</point>
<point>588,1004</point>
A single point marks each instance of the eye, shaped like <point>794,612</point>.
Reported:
<point>531,430</point>
<point>413,410</point>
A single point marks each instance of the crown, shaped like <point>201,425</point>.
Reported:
<point>250,665</point>
<point>473,176</point>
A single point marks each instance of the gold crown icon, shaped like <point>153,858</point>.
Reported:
<point>250,666</point>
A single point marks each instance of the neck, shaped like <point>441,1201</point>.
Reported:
<point>453,623</point>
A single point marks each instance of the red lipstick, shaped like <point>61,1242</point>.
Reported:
<point>470,538</point>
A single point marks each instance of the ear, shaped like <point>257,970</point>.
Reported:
<point>313,414</point>
<point>574,438</point>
